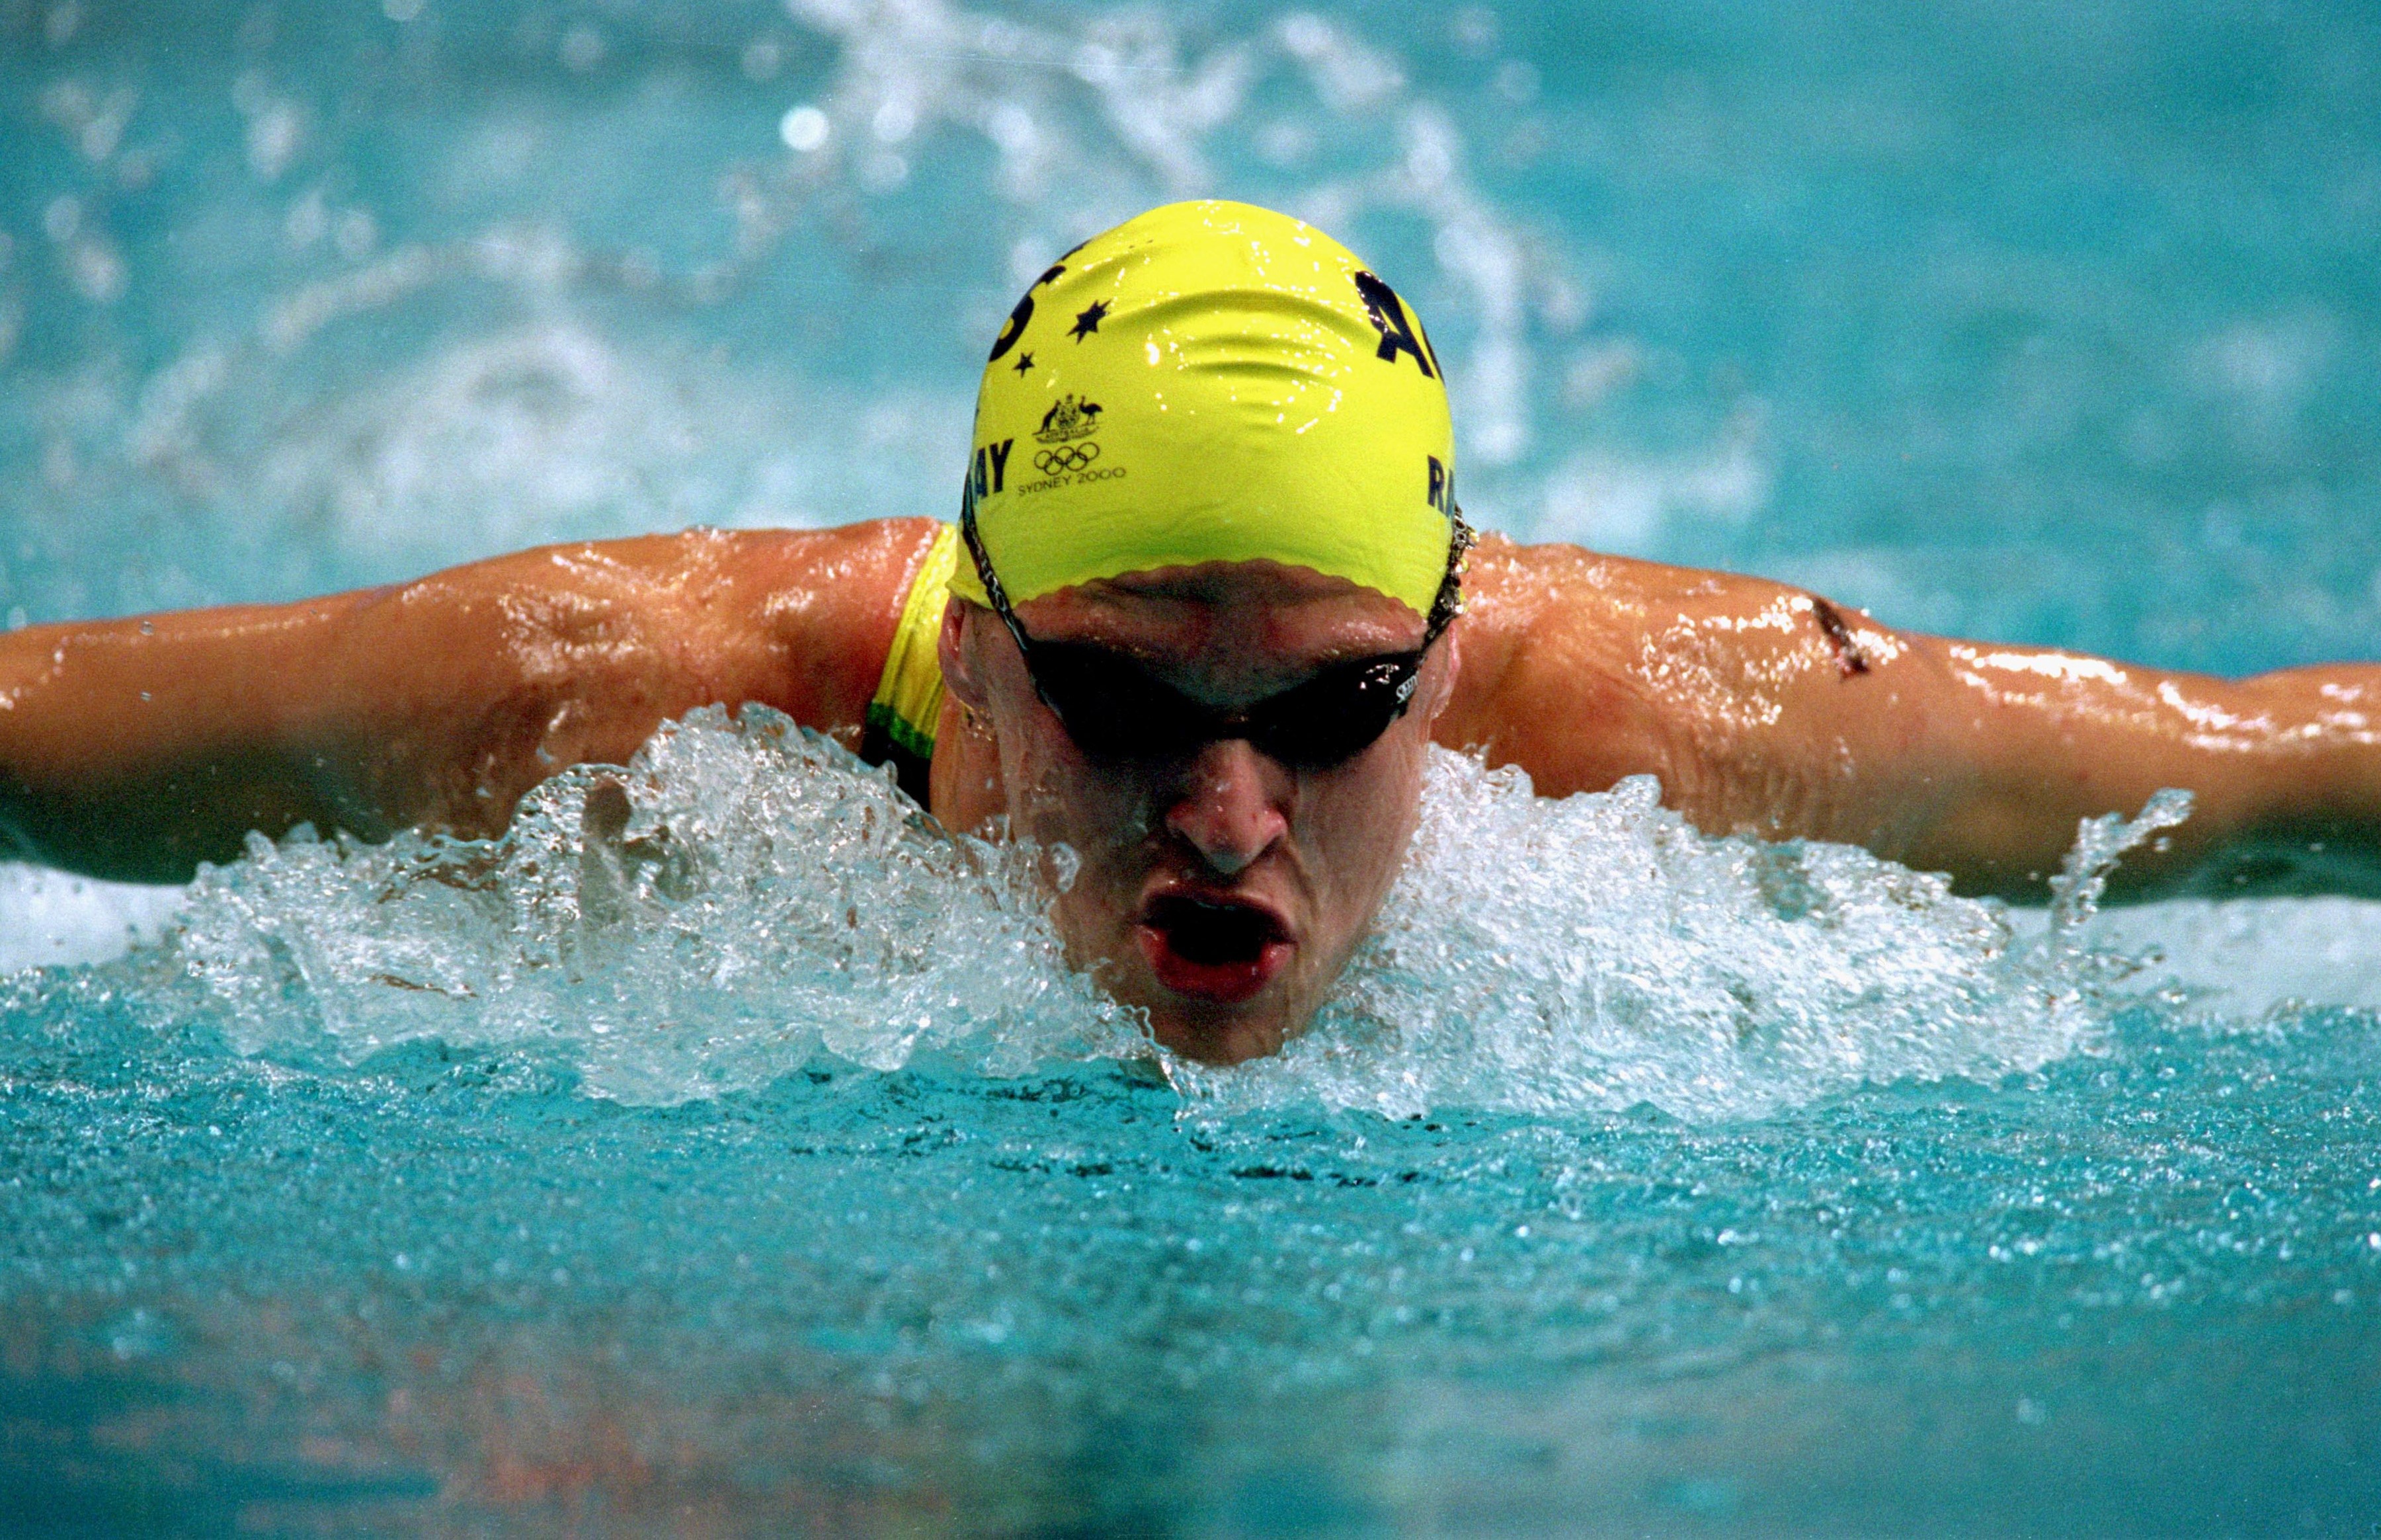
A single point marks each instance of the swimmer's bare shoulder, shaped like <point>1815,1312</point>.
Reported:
<point>134,749</point>
<point>1767,708</point>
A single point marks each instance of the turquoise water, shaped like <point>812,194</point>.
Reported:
<point>725,1152</point>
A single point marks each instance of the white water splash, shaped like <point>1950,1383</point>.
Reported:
<point>1599,953</point>
<point>54,919</point>
<point>744,899</point>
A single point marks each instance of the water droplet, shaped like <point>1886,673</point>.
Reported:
<point>803,129</point>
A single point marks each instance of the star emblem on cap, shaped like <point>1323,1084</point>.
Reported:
<point>1024,362</point>
<point>1089,321</point>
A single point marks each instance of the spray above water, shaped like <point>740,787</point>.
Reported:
<point>1599,953</point>
<point>744,900</point>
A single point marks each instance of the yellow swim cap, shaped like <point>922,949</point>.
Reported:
<point>1210,382</point>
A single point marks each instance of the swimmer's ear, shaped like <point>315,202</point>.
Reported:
<point>959,675</point>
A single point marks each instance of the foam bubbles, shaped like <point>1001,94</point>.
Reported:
<point>54,919</point>
<point>1597,954</point>
<point>745,899</point>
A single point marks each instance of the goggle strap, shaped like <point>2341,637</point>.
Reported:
<point>991,581</point>
<point>1449,601</point>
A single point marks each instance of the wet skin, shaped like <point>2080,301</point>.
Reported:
<point>1220,891</point>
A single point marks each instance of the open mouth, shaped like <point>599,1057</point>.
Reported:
<point>1211,949</point>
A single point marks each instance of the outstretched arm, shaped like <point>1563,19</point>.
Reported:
<point>135,749</point>
<point>1766,709</point>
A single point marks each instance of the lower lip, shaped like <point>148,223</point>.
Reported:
<point>1225,983</point>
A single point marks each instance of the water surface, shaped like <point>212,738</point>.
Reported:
<point>753,1163</point>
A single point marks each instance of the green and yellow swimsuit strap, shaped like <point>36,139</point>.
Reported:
<point>908,702</point>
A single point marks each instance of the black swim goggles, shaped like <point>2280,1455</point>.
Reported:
<point>1114,709</point>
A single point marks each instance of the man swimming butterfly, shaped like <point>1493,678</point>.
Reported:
<point>1210,600</point>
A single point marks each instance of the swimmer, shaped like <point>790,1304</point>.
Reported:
<point>1209,601</point>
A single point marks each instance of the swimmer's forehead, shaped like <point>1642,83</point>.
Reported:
<point>1292,614</point>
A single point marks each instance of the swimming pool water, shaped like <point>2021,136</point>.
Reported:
<point>625,1171</point>
<point>768,1171</point>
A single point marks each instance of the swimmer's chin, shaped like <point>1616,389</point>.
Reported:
<point>1234,1039</point>
<point>1209,1031</point>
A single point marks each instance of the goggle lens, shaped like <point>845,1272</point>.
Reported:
<point>1114,709</point>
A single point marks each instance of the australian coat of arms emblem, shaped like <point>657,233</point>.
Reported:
<point>1069,417</point>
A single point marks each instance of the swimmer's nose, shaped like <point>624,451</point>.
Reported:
<point>1229,810</point>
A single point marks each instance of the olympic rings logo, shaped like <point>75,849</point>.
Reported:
<point>1066,457</point>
